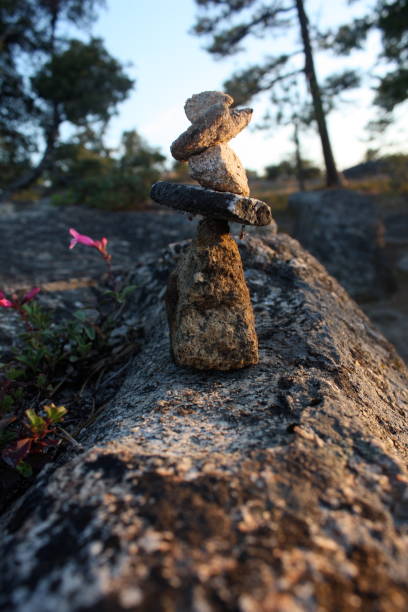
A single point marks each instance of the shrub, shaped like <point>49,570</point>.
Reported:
<point>89,175</point>
<point>52,355</point>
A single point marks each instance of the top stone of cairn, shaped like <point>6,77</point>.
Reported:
<point>199,103</point>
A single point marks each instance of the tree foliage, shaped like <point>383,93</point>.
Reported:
<point>86,173</point>
<point>288,168</point>
<point>228,23</point>
<point>47,79</point>
<point>390,19</point>
<point>83,82</point>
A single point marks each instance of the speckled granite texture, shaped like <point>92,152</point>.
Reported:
<point>281,487</point>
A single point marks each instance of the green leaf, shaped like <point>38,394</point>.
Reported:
<point>36,422</point>
<point>55,413</point>
<point>24,469</point>
<point>42,380</point>
<point>80,315</point>
<point>90,332</point>
<point>18,393</point>
<point>27,360</point>
<point>6,403</point>
<point>128,290</point>
<point>28,309</point>
<point>15,373</point>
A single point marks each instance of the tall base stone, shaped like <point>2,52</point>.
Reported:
<point>208,304</point>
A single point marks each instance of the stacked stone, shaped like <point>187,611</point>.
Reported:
<point>208,304</point>
<point>204,145</point>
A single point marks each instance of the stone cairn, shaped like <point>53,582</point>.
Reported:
<point>209,309</point>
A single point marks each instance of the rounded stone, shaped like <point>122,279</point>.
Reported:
<point>201,102</point>
<point>216,125</point>
<point>219,168</point>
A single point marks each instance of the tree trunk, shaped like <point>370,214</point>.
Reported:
<point>332,175</point>
<point>298,158</point>
<point>32,175</point>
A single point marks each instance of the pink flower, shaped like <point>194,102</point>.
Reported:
<point>30,295</point>
<point>80,239</point>
<point>4,302</point>
<point>100,245</point>
<point>15,302</point>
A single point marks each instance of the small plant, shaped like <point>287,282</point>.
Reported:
<point>19,304</point>
<point>52,355</point>
<point>41,435</point>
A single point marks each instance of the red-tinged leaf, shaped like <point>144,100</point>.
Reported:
<point>51,442</point>
<point>46,443</point>
<point>17,451</point>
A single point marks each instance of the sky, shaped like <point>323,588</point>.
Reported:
<point>151,37</point>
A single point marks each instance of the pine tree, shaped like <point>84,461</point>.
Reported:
<point>219,20</point>
<point>390,19</point>
<point>48,79</point>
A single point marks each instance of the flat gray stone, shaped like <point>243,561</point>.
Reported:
<point>209,203</point>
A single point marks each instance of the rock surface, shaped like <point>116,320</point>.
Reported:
<point>402,264</point>
<point>209,203</point>
<point>341,228</point>
<point>218,124</point>
<point>41,252</point>
<point>199,103</point>
<point>219,168</point>
<point>40,256</point>
<point>278,487</point>
<point>209,309</point>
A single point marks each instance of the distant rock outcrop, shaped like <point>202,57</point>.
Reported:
<point>280,487</point>
<point>369,168</point>
<point>342,229</point>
